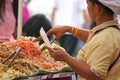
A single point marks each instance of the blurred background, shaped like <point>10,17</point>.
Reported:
<point>48,13</point>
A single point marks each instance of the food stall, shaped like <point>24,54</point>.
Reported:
<point>22,59</point>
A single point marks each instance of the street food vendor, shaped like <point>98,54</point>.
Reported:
<point>99,59</point>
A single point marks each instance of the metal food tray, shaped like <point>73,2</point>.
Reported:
<point>57,75</point>
<point>40,75</point>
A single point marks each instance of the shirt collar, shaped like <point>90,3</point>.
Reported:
<point>104,25</point>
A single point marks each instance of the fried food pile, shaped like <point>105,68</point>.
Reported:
<point>29,61</point>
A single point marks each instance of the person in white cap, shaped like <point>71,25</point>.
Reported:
<point>99,59</point>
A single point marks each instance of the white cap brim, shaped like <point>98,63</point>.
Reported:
<point>114,5</point>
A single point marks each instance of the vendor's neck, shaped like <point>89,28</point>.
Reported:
<point>103,19</point>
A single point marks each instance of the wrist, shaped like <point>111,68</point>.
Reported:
<point>75,31</point>
<point>66,57</point>
<point>69,29</point>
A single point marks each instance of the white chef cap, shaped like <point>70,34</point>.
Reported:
<point>114,5</point>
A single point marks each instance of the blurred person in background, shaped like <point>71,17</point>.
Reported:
<point>8,16</point>
<point>15,8</point>
<point>99,59</point>
<point>119,19</point>
<point>27,1</point>
<point>33,25</point>
<point>25,13</point>
<point>40,7</point>
<point>74,13</point>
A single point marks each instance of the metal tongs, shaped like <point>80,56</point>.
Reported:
<point>12,57</point>
<point>53,40</point>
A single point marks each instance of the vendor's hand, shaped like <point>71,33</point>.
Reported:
<point>58,31</point>
<point>57,53</point>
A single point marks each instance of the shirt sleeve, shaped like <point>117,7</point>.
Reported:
<point>100,59</point>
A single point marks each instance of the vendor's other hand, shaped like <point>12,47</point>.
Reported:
<point>58,31</point>
<point>57,53</point>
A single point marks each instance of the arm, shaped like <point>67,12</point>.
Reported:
<point>59,31</point>
<point>53,15</point>
<point>82,35</point>
<point>80,67</point>
<point>15,33</point>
